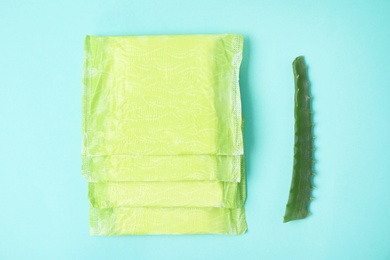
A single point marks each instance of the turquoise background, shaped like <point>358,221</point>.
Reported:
<point>43,198</point>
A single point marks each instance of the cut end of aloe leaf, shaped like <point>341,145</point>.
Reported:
<point>301,185</point>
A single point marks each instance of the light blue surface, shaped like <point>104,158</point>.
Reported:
<point>43,198</point>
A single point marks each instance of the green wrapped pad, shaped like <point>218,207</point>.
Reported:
<point>125,168</point>
<point>162,95</point>
<point>164,194</point>
<point>168,194</point>
<point>125,221</point>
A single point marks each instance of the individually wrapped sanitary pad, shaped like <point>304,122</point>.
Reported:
<point>120,168</point>
<point>164,194</point>
<point>162,134</point>
<point>168,194</point>
<point>122,221</point>
<point>162,95</point>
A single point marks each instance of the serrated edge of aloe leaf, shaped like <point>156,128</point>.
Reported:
<point>301,184</point>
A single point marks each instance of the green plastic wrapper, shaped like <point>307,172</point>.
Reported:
<point>125,221</point>
<point>130,168</point>
<point>162,95</point>
<point>164,194</point>
<point>168,194</point>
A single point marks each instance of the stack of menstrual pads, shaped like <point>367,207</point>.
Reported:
<point>162,134</point>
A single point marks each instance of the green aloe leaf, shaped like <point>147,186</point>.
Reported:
<point>301,185</point>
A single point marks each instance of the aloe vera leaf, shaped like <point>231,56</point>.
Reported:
<point>301,185</point>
